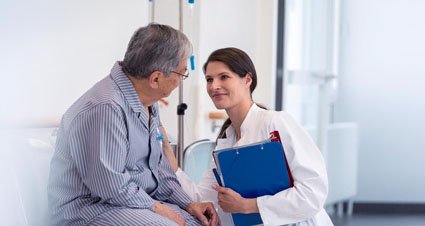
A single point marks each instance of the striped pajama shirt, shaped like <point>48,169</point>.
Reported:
<point>108,167</point>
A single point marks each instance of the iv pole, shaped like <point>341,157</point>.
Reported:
<point>182,106</point>
<point>152,10</point>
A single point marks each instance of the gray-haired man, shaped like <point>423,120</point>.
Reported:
<point>108,167</point>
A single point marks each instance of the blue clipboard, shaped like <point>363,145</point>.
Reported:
<point>252,171</point>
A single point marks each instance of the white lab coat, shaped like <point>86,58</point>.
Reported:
<point>300,205</point>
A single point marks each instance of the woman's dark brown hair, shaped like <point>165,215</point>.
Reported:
<point>238,62</point>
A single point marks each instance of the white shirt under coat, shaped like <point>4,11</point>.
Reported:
<point>300,205</point>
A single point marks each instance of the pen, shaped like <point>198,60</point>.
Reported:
<point>217,177</point>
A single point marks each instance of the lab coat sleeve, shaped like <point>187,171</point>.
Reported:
<point>201,192</point>
<point>307,197</point>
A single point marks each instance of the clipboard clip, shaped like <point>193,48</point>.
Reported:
<point>274,136</point>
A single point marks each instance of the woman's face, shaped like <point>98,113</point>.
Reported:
<point>225,87</point>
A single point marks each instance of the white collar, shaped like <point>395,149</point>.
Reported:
<point>230,131</point>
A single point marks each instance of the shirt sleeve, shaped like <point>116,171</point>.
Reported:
<point>307,197</point>
<point>99,145</point>
<point>169,189</point>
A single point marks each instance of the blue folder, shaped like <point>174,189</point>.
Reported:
<point>252,171</point>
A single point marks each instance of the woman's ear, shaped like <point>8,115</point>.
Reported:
<point>248,79</point>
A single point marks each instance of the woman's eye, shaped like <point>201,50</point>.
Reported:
<point>209,80</point>
<point>224,77</point>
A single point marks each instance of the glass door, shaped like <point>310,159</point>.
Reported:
<point>311,53</point>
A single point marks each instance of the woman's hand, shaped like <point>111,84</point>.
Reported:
<point>232,202</point>
<point>168,151</point>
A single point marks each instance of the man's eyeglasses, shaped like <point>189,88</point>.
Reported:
<point>185,75</point>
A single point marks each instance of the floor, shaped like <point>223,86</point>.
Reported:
<point>380,220</point>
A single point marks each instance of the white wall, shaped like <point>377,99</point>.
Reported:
<point>53,51</point>
<point>223,24</point>
<point>382,88</point>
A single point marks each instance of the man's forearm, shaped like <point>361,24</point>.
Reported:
<point>169,187</point>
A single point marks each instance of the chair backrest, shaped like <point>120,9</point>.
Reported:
<point>197,158</point>
<point>31,165</point>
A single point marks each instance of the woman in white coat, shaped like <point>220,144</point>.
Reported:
<point>231,78</point>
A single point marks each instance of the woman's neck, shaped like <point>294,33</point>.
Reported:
<point>237,115</point>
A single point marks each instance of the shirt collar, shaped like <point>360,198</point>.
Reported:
<point>230,131</point>
<point>127,88</point>
<point>249,118</point>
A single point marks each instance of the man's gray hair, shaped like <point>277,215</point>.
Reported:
<point>155,47</point>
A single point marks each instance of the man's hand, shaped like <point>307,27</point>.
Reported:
<point>205,212</point>
<point>167,212</point>
<point>232,202</point>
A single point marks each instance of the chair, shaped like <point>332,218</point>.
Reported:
<point>197,158</point>
<point>31,165</point>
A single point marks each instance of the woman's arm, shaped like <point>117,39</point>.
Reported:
<point>168,151</point>
<point>307,197</point>
<point>198,192</point>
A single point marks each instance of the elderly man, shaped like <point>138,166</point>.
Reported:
<point>108,167</point>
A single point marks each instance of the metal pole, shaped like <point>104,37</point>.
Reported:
<point>182,106</point>
<point>152,10</point>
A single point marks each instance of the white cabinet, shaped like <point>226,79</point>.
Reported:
<point>341,159</point>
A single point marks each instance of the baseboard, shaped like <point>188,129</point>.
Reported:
<point>389,208</point>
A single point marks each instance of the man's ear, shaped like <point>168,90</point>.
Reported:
<point>154,78</point>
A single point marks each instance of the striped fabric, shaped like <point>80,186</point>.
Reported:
<point>108,164</point>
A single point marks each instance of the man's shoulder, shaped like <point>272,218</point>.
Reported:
<point>104,92</point>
